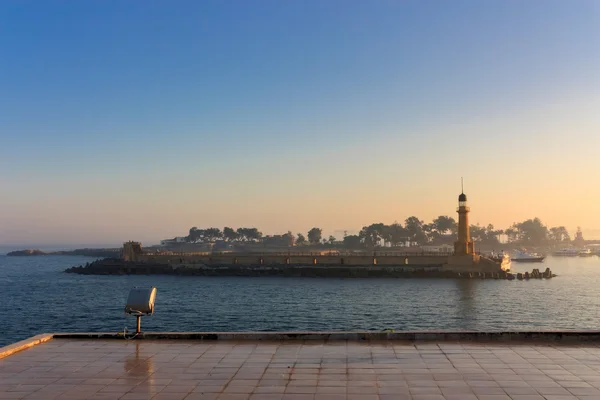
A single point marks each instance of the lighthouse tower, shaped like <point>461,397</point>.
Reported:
<point>464,259</point>
<point>464,244</point>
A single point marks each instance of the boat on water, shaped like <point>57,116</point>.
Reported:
<point>586,253</point>
<point>567,252</point>
<point>525,257</point>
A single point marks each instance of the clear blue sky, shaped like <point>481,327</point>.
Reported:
<point>138,119</point>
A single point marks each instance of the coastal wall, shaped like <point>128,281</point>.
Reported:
<point>284,259</point>
<point>121,267</point>
<point>331,263</point>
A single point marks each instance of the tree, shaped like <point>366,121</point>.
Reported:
<point>194,235</point>
<point>300,240</point>
<point>512,233</point>
<point>478,233</point>
<point>289,238</point>
<point>531,232</point>
<point>212,234</point>
<point>372,235</point>
<point>314,235</point>
<point>352,242</point>
<point>395,234</point>
<point>241,234</point>
<point>491,234</point>
<point>229,234</point>
<point>430,232</point>
<point>249,234</point>
<point>254,235</point>
<point>444,225</point>
<point>485,235</point>
<point>559,234</point>
<point>332,240</point>
<point>414,228</point>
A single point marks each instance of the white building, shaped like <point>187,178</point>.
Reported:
<point>179,239</point>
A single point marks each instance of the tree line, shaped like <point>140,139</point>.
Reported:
<point>413,231</point>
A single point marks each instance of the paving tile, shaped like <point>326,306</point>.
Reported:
<point>396,397</point>
<point>107,370</point>
<point>266,396</point>
<point>202,396</point>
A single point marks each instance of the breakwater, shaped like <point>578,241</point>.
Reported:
<point>120,267</point>
<point>291,259</point>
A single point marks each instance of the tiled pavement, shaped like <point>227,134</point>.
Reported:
<point>176,370</point>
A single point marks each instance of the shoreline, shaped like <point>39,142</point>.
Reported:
<point>103,253</point>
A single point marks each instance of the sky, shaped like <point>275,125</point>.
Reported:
<point>131,120</point>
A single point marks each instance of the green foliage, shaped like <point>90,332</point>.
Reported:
<point>485,235</point>
<point>287,239</point>
<point>531,232</point>
<point>395,234</point>
<point>300,240</point>
<point>372,235</point>
<point>209,235</point>
<point>444,225</point>
<point>249,235</point>
<point>415,229</point>
<point>230,234</point>
<point>352,242</point>
<point>559,234</point>
<point>315,235</point>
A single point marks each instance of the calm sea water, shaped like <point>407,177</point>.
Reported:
<point>36,296</point>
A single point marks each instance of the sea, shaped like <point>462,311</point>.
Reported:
<point>37,296</point>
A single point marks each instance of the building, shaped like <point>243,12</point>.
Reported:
<point>579,241</point>
<point>179,239</point>
<point>443,245</point>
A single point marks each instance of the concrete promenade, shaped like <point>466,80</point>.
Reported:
<point>231,367</point>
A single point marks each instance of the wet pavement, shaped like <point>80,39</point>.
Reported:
<point>175,370</point>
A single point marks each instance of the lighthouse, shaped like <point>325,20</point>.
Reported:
<point>464,244</point>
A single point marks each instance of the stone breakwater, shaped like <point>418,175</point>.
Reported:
<point>120,267</point>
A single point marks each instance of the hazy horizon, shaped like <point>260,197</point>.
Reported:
<point>136,121</point>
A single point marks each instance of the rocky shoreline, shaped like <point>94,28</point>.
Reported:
<point>112,266</point>
<point>77,252</point>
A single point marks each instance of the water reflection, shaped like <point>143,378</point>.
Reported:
<point>139,366</point>
<point>466,301</point>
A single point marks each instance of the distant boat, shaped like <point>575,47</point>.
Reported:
<point>569,252</point>
<point>522,256</point>
<point>586,253</point>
